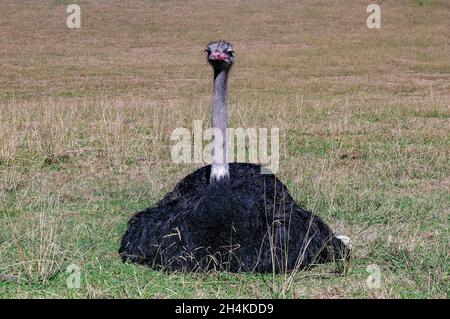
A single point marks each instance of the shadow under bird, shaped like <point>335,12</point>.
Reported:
<point>229,216</point>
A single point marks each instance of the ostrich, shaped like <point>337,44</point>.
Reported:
<point>229,216</point>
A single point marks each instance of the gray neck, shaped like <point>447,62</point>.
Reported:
<point>219,166</point>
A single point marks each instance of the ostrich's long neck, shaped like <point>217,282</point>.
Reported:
<point>219,167</point>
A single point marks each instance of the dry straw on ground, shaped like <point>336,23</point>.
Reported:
<point>86,117</point>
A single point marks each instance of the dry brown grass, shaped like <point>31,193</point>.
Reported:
<point>36,246</point>
<point>364,118</point>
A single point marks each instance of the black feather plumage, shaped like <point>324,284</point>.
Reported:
<point>247,222</point>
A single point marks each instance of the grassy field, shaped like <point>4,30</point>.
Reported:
<point>86,117</point>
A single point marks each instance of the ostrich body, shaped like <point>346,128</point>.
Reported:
<point>228,216</point>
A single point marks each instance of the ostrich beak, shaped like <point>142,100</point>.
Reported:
<point>217,56</point>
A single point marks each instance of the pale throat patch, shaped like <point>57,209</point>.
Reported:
<point>219,171</point>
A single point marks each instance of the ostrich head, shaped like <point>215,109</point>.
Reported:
<point>220,55</point>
